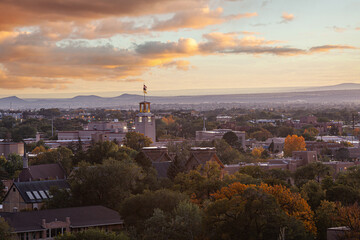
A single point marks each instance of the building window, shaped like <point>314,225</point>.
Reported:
<point>149,119</point>
<point>140,119</point>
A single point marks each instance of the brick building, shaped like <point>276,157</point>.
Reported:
<point>47,224</point>
<point>30,195</point>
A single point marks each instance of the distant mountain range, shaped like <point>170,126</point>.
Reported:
<point>342,93</point>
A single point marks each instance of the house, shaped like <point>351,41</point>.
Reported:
<point>41,172</point>
<point>159,158</point>
<point>30,195</point>
<point>47,224</point>
<point>199,156</point>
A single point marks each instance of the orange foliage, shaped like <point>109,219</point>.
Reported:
<point>292,203</point>
<point>39,149</point>
<point>350,216</point>
<point>256,152</point>
<point>168,120</point>
<point>293,143</point>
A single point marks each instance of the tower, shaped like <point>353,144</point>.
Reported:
<point>145,120</point>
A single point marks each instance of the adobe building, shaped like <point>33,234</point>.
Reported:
<point>305,157</point>
<point>47,224</point>
<point>7,148</point>
<point>145,121</point>
<point>113,126</point>
<point>218,134</point>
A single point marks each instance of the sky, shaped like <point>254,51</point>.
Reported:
<point>61,48</point>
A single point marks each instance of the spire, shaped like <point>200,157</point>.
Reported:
<point>25,159</point>
<point>204,128</point>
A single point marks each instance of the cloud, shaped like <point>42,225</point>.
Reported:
<point>338,29</point>
<point>33,60</point>
<point>197,18</point>
<point>358,28</point>
<point>287,17</point>
<point>327,48</point>
<point>32,12</point>
<point>179,65</point>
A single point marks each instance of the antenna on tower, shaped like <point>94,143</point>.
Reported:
<point>204,119</point>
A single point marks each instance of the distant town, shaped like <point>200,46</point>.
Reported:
<point>166,174</point>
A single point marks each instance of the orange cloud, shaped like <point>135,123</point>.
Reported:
<point>287,17</point>
<point>327,48</point>
<point>27,13</point>
<point>179,65</point>
<point>31,60</point>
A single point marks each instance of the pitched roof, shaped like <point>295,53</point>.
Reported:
<point>79,217</point>
<point>161,168</point>
<point>157,155</point>
<point>42,172</point>
<point>204,156</point>
<point>38,191</point>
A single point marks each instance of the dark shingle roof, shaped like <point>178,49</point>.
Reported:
<point>37,191</point>
<point>157,156</point>
<point>42,172</point>
<point>79,217</point>
<point>161,168</point>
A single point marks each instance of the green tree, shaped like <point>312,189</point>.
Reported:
<point>61,198</point>
<point>200,183</point>
<point>326,217</point>
<point>98,151</point>
<point>312,171</point>
<point>231,138</point>
<point>60,155</point>
<point>5,230</point>
<point>138,208</point>
<point>184,222</point>
<point>94,234</point>
<point>312,193</point>
<point>344,194</point>
<point>176,167</point>
<point>253,171</point>
<point>251,215</point>
<point>107,184</point>
<point>137,141</point>
<point>13,164</point>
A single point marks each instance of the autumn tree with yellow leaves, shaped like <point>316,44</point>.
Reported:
<point>292,204</point>
<point>293,143</point>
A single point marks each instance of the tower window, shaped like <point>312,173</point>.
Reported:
<point>140,119</point>
<point>149,119</point>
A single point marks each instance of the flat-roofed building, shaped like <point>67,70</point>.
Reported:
<point>218,134</point>
<point>7,148</point>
